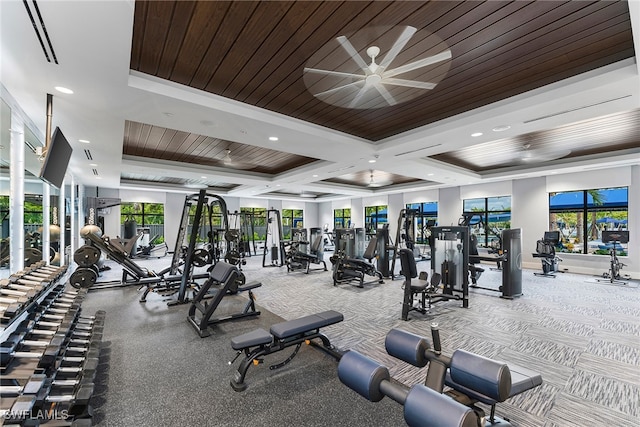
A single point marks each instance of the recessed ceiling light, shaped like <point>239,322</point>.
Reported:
<point>315,176</point>
<point>84,141</point>
<point>93,164</point>
<point>430,174</point>
<point>372,161</point>
<point>476,134</point>
<point>98,177</point>
<point>277,185</point>
<point>273,138</point>
<point>167,113</point>
<point>63,90</point>
<point>501,128</point>
<point>203,177</point>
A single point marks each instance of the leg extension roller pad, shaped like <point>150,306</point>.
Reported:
<point>422,406</point>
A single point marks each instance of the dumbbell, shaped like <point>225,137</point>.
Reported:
<point>422,405</point>
<point>46,357</point>
<point>32,386</point>
<point>77,395</point>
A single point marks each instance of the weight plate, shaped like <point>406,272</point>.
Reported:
<point>232,257</point>
<point>86,255</point>
<point>83,277</point>
<point>201,257</point>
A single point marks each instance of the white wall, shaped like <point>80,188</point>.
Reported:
<point>530,212</point>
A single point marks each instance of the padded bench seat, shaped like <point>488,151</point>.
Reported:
<point>259,342</point>
<point>290,328</point>
<point>522,379</point>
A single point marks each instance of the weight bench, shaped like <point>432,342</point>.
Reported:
<point>227,277</point>
<point>259,343</point>
<point>473,378</point>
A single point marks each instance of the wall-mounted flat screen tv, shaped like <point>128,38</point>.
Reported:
<point>56,159</point>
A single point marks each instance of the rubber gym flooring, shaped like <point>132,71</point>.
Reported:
<point>583,337</point>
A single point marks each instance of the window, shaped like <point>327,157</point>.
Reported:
<point>149,215</point>
<point>341,218</point>
<point>426,213</point>
<point>258,218</point>
<point>581,216</point>
<point>291,218</point>
<point>374,216</point>
<point>493,214</point>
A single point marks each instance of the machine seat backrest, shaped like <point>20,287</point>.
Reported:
<point>370,252</point>
<point>315,246</point>
<point>408,264</point>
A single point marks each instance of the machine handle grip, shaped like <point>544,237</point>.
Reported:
<point>435,334</point>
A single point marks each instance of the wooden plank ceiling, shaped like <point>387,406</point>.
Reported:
<point>168,144</point>
<point>256,52</point>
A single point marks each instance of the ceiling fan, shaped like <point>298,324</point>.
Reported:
<point>374,82</point>
<point>373,183</point>
<point>530,154</point>
<point>231,161</point>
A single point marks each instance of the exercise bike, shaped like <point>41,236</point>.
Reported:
<point>615,238</point>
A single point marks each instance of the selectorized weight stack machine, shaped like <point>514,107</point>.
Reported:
<point>450,258</point>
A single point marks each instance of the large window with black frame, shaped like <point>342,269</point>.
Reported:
<point>291,219</point>
<point>426,216</point>
<point>139,214</point>
<point>258,217</point>
<point>581,217</point>
<point>491,215</point>
<point>342,218</point>
<point>374,217</point>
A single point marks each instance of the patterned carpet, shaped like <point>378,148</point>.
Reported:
<point>582,336</point>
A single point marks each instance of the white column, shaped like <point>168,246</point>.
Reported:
<point>62,219</point>
<point>72,214</point>
<point>16,194</point>
<point>46,222</point>
<point>81,221</point>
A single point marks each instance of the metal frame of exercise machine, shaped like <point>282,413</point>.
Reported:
<point>614,237</point>
<point>273,242</point>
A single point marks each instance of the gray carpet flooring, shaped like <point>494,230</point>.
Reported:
<point>582,336</point>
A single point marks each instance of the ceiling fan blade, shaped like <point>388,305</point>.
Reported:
<point>385,94</point>
<point>359,95</point>
<point>397,46</point>
<point>335,89</point>
<point>333,73</point>
<point>409,83</point>
<point>346,44</point>
<point>442,56</point>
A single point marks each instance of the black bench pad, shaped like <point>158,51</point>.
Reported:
<point>304,324</point>
<point>522,379</point>
<point>257,337</point>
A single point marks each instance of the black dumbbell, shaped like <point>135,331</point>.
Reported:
<point>46,357</point>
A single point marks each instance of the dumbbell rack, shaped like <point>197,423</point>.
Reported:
<point>49,355</point>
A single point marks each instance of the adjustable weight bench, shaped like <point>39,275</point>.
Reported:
<point>227,277</point>
<point>259,343</point>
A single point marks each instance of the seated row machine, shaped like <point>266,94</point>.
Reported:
<point>347,269</point>
<point>299,260</point>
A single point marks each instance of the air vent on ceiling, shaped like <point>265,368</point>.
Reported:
<point>95,172</point>
<point>40,31</point>
<point>575,109</point>
<point>419,149</point>
<point>88,154</point>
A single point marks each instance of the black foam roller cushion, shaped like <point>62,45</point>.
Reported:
<point>362,375</point>
<point>486,376</point>
<point>427,407</point>
<point>407,346</point>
